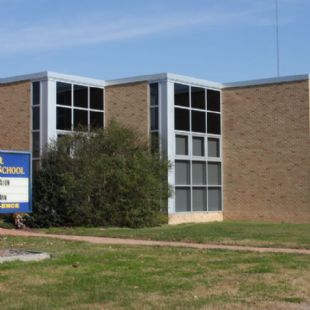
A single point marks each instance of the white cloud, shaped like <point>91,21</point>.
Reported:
<point>92,30</point>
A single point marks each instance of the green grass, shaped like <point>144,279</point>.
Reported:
<point>124,277</point>
<point>243,233</point>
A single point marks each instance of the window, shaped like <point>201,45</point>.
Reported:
<point>64,93</point>
<point>36,144</point>
<point>200,199</point>
<point>198,184</point>
<point>198,146</point>
<point>154,116</point>
<point>36,118</point>
<point>80,119</point>
<point>213,100</point>
<point>183,199</point>
<point>181,95</point>
<point>154,94</point>
<point>214,173</point>
<point>181,145</point>
<point>181,119</point>
<point>198,98</point>
<point>36,93</point>
<point>80,96</point>
<point>199,172</point>
<point>214,123</point>
<point>63,118</point>
<point>96,98</point>
<point>182,172</point>
<point>87,112</point>
<point>198,121</point>
<point>214,199</point>
<point>213,147</point>
<point>96,120</point>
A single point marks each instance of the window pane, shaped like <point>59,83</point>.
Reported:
<point>199,173</point>
<point>198,146</point>
<point>63,93</point>
<point>181,145</point>
<point>154,141</point>
<point>63,118</point>
<point>182,200</point>
<point>35,118</point>
<point>198,97</point>
<point>80,96</point>
<point>35,93</point>
<point>154,118</point>
<point>213,147</point>
<point>181,119</point>
<point>154,94</point>
<point>198,121</point>
<point>199,199</point>
<point>96,120</point>
<point>80,120</point>
<point>214,199</point>
<point>182,173</point>
<point>96,98</point>
<point>214,123</point>
<point>36,144</point>
<point>181,95</point>
<point>214,174</point>
<point>213,100</point>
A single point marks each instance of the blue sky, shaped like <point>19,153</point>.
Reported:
<point>220,40</point>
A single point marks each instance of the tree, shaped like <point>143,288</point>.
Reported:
<point>107,177</point>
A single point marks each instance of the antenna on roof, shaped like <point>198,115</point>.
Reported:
<point>277,37</point>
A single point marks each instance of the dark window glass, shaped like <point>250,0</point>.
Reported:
<point>80,96</point>
<point>181,119</point>
<point>36,144</point>
<point>96,120</point>
<point>214,123</point>
<point>198,98</point>
<point>154,94</point>
<point>63,94</point>
<point>154,118</point>
<point>198,121</point>
<point>80,119</point>
<point>96,98</point>
<point>35,93</point>
<point>181,95</point>
<point>35,118</point>
<point>63,118</point>
<point>213,100</point>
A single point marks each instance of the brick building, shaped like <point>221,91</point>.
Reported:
<point>239,151</point>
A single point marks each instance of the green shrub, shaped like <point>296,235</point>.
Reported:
<point>108,177</point>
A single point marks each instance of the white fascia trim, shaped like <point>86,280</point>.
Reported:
<point>140,78</point>
<point>193,81</point>
<point>48,75</point>
<point>166,77</point>
<point>275,80</point>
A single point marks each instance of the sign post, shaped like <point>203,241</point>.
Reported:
<point>15,182</point>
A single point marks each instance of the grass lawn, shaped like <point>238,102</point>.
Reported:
<point>242,233</point>
<point>123,277</point>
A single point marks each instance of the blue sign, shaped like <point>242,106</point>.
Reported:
<point>15,182</point>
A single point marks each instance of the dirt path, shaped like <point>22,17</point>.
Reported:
<point>133,242</point>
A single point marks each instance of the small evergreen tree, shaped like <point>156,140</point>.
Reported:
<point>107,177</point>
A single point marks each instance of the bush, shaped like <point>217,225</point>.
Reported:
<point>108,177</point>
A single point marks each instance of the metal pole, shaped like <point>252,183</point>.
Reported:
<point>277,37</point>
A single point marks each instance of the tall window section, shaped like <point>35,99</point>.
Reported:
<point>198,176</point>
<point>36,108</point>
<point>154,115</point>
<point>78,107</point>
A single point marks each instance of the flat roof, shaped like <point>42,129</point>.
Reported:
<point>150,78</point>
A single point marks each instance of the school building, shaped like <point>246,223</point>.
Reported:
<point>240,151</point>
